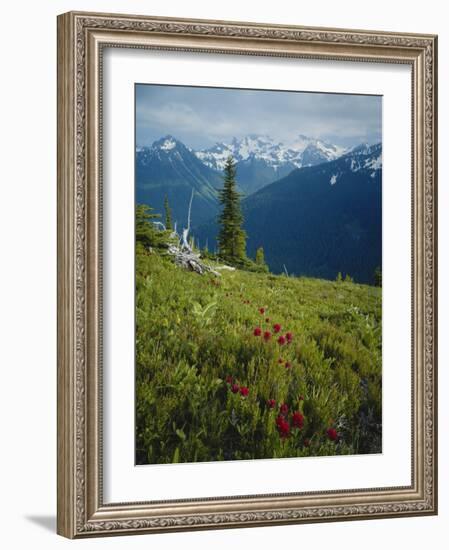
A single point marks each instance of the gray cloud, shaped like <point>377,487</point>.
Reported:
<point>202,116</point>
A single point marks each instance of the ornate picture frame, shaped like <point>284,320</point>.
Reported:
<point>82,38</point>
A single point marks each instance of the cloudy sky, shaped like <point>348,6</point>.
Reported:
<point>200,117</point>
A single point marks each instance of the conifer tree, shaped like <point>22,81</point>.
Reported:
<point>146,233</point>
<point>231,237</point>
<point>260,260</point>
<point>260,256</point>
<point>168,218</point>
<point>377,277</point>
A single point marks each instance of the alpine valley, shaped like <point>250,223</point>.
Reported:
<point>317,205</point>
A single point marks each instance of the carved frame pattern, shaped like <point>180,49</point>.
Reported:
<point>81,37</point>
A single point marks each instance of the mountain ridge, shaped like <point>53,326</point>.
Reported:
<point>261,160</point>
<point>318,220</point>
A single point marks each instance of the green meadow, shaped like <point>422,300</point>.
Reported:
<point>253,365</point>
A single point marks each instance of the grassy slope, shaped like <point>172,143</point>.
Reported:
<point>192,331</point>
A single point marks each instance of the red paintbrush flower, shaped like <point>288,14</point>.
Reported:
<point>280,360</point>
<point>262,310</point>
<point>266,335</point>
<point>332,434</point>
<point>235,388</point>
<point>283,409</point>
<point>271,403</point>
<point>257,331</point>
<point>288,365</point>
<point>277,327</point>
<point>281,340</point>
<point>283,426</point>
<point>289,337</point>
<point>244,391</point>
<point>297,419</point>
<point>229,379</point>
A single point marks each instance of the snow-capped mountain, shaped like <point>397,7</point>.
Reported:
<point>261,160</point>
<point>162,149</point>
<point>363,158</point>
<point>302,151</point>
<point>170,169</point>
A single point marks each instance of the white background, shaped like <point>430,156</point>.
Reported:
<point>28,273</point>
<point>122,481</point>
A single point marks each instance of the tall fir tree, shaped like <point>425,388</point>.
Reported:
<point>231,237</point>
<point>168,218</point>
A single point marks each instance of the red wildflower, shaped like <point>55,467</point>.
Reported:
<point>288,365</point>
<point>283,409</point>
<point>280,360</point>
<point>301,398</point>
<point>281,340</point>
<point>266,335</point>
<point>277,327</point>
<point>271,403</point>
<point>306,442</point>
<point>289,337</point>
<point>244,391</point>
<point>235,388</point>
<point>283,426</point>
<point>332,434</point>
<point>262,310</point>
<point>257,331</point>
<point>228,379</point>
<point>298,419</point>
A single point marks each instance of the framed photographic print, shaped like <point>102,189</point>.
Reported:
<point>246,274</point>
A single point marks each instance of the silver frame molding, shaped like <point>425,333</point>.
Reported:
<point>81,39</point>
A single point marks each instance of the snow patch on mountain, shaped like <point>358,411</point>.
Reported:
<point>168,144</point>
<point>364,157</point>
<point>333,179</point>
<point>374,163</point>
<point>357,158</point>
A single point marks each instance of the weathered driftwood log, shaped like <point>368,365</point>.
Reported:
<point>189,260</point>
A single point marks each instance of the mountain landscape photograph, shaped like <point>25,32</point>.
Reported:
<point>258,274</point>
